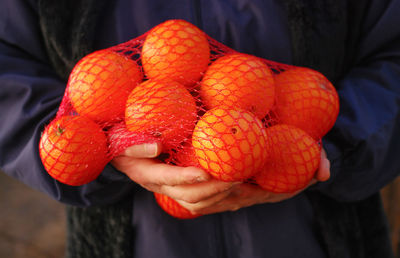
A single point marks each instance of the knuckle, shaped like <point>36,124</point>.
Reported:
<point>217,188</point>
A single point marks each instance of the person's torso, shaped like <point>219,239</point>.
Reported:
<point>284,229</point>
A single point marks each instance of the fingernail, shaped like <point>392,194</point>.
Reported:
<point>151,149</point>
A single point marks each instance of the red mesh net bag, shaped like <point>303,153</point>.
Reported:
<point>237,116</point>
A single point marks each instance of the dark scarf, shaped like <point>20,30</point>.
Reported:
<point>324,33</point>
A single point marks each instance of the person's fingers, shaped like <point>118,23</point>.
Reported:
<point>197,207</point>
<point>323,173</point>
<point>146,150</point>
<point>190,184</point>
<point>240,196</point>
<point>195,193</point>
<point>151,172</point>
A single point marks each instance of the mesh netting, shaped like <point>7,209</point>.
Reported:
<point>237,116</point>
<point>295,157</point>
<point>73,149</point>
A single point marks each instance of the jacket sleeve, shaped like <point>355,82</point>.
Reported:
<point>364,144</point>
<point>30,93</point>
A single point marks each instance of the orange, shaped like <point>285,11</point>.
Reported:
<point>306,99</point>
<point>73,150</point>
<point>176,49</point>
<point>185,156</point>
<point>293,160</point>
<point>163,109</point>
<point>230,144</point>
<point>100,83</point>
<point>239,80</point>
<point>173,208</point>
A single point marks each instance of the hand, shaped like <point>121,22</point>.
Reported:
<point>244,195</point>
<point>188,184</point>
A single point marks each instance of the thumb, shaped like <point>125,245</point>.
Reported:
<point>145,150</point>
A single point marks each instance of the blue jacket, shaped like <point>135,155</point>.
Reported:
<point>362,146</point>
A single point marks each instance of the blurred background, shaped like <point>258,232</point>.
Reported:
<point>391,202</point>
<point>32,225</point>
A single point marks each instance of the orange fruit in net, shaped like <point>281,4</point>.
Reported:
<point>173,208</point>
<point>185,156</point>
<point>306,99</point>
<point>163,109</point>
<point>176,49</point>
<point>73,150</point>
<point>230,144</point>
<point>100,83</point>
<point>239,80</point>
<point>294,157</point>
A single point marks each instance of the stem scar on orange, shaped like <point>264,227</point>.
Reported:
<point>239,80</point>
<point>100,83</point>
<point>173,208</point>
<point>293,160</point>
<point>161,108</point>
<point>176,49</point>
<point>73,150</point>
<point>230,144</point>
<point>306,99</point>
